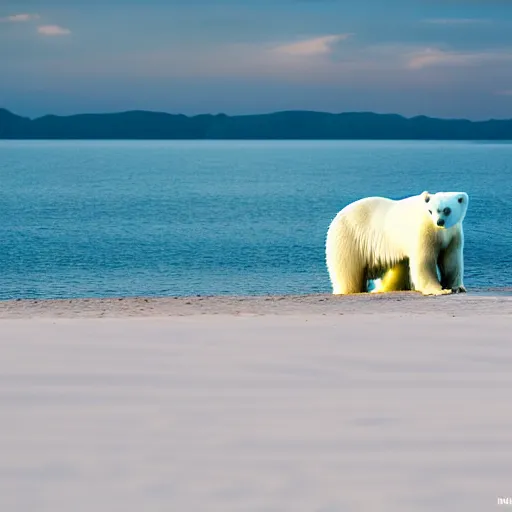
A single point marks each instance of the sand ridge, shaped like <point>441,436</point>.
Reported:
<point>322,304</point>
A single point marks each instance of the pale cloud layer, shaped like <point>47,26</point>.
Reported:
<point>19,18</point>
<point>53,30</point>
<point>315,46</point>
<point>312,60</point>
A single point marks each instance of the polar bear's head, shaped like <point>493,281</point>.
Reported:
<point>446,208</point>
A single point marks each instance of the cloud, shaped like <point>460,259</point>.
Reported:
<point>53,30</point>
<point>456,21</point>
<point>19,18</point>
<point>45,30</point>
<point>433,57</point>
<point>315,46</point>
<point>506,92</point>
<point>430,57</point>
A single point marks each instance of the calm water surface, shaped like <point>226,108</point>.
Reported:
<point>184,218</point>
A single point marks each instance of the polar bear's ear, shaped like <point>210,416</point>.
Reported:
<point>426,196</point>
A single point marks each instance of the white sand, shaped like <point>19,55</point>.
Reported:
<point>399,403</point>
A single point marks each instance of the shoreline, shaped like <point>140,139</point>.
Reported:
<point>408,303</point>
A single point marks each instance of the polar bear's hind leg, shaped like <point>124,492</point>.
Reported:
<point>395,279</point>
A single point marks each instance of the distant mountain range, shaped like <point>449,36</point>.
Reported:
<point>139,124</point>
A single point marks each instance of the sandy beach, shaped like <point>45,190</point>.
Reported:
<point>390,402</point>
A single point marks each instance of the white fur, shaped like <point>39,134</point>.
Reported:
<point>376,235</point>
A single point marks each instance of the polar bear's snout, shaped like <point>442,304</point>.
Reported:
<point>445,212</point>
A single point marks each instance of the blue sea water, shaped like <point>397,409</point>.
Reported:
<point>126,218</point>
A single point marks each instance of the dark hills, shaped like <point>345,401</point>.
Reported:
<point>280,125</point>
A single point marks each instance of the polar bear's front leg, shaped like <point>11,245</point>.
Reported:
<point>424,276</point>
<point>451,266</point>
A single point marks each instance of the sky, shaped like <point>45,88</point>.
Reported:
<point>441,58</point>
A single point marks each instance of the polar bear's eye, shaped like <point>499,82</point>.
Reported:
<point>460,199</point>
<point>430,211</point>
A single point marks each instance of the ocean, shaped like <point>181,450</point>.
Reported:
<point>179,218</point>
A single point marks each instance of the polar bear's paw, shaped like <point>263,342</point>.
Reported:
<point>436,291</point>
<point>459,289</point>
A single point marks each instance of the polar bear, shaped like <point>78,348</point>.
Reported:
<point>415,243</point>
